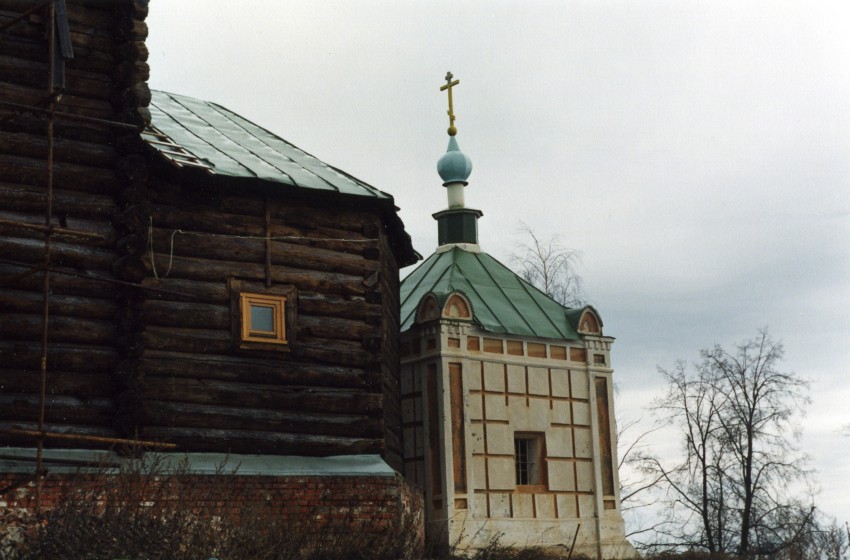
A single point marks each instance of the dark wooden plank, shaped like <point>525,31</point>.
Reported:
<point>28,327</point>
<point>34,97</point>
<point>195,290</point>
<point>63,253</point>
<point>68,357</point>
<point>194,341</point>
<point>247,369</point>
<point>69,282</point>
<point>258,395</point>
<point>32,171</point>
<point>64,150</point>
<point>214,220</point>
<point>233,248</point>
<point>237,418</point>
<point>19,301</point>
<point>33,198</point>
<point>95,233</point>
<point>334,328</point>
<point>79,384</point>
<point>186,315</point>
<point>335,352</point>
<point>321,305</point>
<point>32,73</point>
<point>304,280</point>
<point>66,409</point>
<point>243,441</point>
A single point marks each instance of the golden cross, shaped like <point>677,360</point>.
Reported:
<point>448,86</point>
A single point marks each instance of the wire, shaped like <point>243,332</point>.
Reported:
<point>275,238</point>
<point>150,247</point>
<point>151,251</point>
<point>171,251</point>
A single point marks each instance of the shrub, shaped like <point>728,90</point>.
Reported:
<point>146,511</point>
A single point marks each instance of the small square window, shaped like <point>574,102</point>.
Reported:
<point>263,318</point>
<point>528,459</point>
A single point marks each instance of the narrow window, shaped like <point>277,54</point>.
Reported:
<point>263,318</point>
<point>528,453</point>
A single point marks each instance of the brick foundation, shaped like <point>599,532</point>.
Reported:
<point>378,505</point>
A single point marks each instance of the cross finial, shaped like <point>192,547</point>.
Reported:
<point>448,86</point>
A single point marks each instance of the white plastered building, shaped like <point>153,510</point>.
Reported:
<point>507,400</point>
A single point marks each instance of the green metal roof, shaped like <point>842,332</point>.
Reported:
<point>502,302</point>
<point>232,146</point>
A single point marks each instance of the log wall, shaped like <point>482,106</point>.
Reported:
<point>332,391</point>
<point>391,364</point>
<point>104,80</point>
<point>140,335</point>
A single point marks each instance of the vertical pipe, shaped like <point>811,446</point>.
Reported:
<point>268,228</point>
<point>51,47</point>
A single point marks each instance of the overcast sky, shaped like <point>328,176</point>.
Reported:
<point>697,154</point>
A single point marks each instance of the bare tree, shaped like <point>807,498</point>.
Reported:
<point>735,415</point>
<point>637,485</point>
<point>759,432</point>
<point>832,541</point>
<point>695,486</point>
<point>551,267</point>
<point>820,538</point>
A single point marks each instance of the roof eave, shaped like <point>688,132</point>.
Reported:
<point>400,241</point>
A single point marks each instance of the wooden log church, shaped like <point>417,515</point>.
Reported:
<point>176,278</point>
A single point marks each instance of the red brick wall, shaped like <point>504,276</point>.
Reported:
<point>359,503</point>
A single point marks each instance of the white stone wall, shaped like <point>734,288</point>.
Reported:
<point>510,386</point>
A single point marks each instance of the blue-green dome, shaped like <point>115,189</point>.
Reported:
<point>455,166</point>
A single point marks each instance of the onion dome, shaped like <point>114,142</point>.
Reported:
<point>455,166</point>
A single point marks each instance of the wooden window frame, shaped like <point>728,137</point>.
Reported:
<point>249,300</point>
<point>535,480</point>
<point>281,298</point>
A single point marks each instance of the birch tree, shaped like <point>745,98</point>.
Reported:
<point>735,414</point>
<point>551,267</point>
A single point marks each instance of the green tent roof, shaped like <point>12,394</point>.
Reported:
<point>502,302</point>
<point>232,146</point>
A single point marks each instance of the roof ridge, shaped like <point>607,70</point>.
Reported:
<point>425,272</point>
<point>525,285</point>
<point>529,287</point>
<point>474,289</point>
<point>510,300</point>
